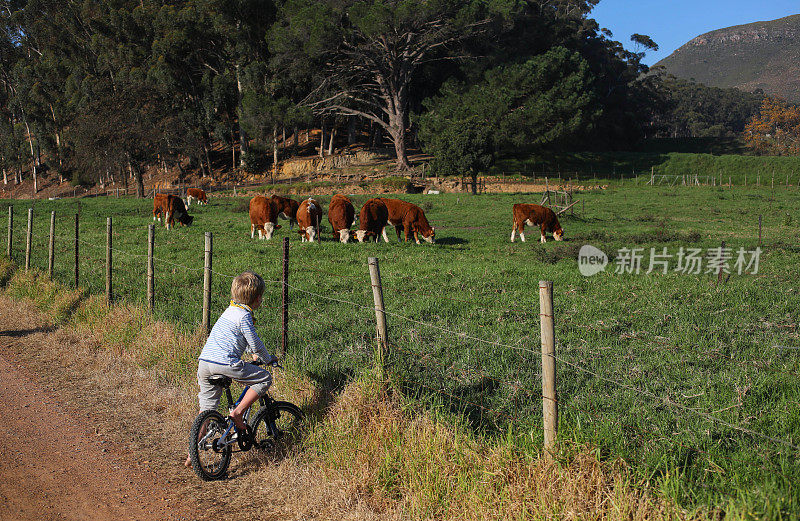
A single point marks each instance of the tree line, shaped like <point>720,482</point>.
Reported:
<point>112,87</point>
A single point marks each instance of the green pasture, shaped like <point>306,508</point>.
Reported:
<point>640,355</point>
<point>734,168</point>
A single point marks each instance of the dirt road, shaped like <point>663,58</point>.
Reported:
<point>79,440</point>
<point>54,468</point>
<point>56,463</point>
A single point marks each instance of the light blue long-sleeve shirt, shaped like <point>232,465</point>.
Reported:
<point>232,335</point>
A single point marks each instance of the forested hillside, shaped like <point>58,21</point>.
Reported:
<point>90,88</point>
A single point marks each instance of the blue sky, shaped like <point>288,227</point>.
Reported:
<point>671,23</point>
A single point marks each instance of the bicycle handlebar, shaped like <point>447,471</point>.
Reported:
<point>261,362</point>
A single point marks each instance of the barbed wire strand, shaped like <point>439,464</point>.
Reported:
<point>442,365</point>
<point>668,401</point>
<point>665,400</point>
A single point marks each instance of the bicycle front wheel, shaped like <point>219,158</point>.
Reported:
<point>209,460</point>
<point>277,426</point>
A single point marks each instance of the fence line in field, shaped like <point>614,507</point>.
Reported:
<point>672,403</point>
<point>485,376</point>
<point>666,400</point>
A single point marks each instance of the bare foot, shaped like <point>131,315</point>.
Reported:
<point>188,462</point>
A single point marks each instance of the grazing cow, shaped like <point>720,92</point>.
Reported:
<point>341,214</point>
<point>287,208</point>
<point>263,215</point>
<point>173,208</point>
<point>196,194</point>
<point>408,217</point>
<point>532,215</point>
<point>309,214</point>
<point>372,221</point>
<point>159,206</point>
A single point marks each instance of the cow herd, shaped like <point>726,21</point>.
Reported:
<point>373,218</point>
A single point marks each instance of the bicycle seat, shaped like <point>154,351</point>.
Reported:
<point>220,380</point>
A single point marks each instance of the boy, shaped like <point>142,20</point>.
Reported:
<point>232,335</point>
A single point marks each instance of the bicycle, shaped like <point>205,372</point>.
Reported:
<point>212,435</point>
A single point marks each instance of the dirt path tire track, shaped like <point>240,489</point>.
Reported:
<point>62,455</point>
<point>53,469</point>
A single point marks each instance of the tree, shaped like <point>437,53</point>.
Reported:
<point>371,52</point>
<point>461,146</point>
<point>124,127</point>
<point>543,103</point>
<point>688,109</point>
<point>776,129</point>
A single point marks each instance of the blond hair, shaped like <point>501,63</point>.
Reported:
<point>247,287</point>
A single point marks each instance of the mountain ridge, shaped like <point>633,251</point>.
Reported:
<point>761,55</point>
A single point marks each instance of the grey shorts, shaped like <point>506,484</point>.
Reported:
<point>258,378</point>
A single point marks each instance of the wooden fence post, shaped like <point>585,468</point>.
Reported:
<point>10,229</point>
<point>76,251</point>
<point>759,230</point>
<point>380,315</point>
<point>29,240</point>
<point>51,249</point>
<point>207,285</point>
<point>285,301</point>
<point>151,242</point>
<point>549,399</point>
<point>109,259</point>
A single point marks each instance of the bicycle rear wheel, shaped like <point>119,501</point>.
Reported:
<point>277,426</point>
<point>209,461</point>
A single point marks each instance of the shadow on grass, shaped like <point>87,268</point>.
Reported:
<point>25,332</point>
<point>449,241</point>
<point>328,384</point>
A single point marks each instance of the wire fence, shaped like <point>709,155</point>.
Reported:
<point>337,337</point>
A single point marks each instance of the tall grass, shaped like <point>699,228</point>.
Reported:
<point>714,348</point>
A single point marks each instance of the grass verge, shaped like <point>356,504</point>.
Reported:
<point>405,462</point>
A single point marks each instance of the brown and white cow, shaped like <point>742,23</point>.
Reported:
<point>172,208</point>
<point>408,217</point>
<point>341,214</point>
<point>263,215</point>
<point>309,215</point>
<point>196,194</point>
<point>535,215</point>
<point>159,206</point>
<point>372,220</point>
<point>287,208</point>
